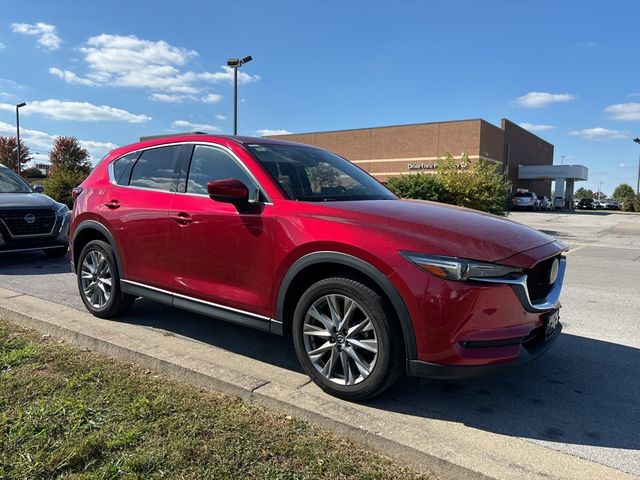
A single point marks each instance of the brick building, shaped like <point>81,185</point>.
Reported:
<point>395,150</point>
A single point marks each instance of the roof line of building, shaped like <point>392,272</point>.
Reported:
<point>386,126</point>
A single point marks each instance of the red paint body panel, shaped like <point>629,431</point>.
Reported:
<point>239,258</point>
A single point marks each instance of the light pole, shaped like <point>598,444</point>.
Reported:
<point>599,190</point>
<point>562,159</point>
<point>637,140</point>
<point>18,107</point>
<point>236,63</point>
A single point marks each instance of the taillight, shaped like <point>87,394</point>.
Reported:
<point>75,192</point>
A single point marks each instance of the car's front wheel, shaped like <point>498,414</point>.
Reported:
<point>99,281</point>
<point>347,338</point>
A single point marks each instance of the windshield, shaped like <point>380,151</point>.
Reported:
<point>524,194</point>
<point>314,175</point>
<point>12,183</point>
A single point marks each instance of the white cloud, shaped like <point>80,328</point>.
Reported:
<point>542,99</point>
<point>47,37</point>
<point>79,111</point>
<point>265,132</point>
<point>226,75</point>
<point>624,111</point>
<point>597,133</point>
<point>129,61</point>
<point>221,117</point>
<point>71,77</point>
<point>195,126</point>
<point>38,140</point>
<point>622,165</point>
<point>170,98</point>
<point>2,47</point>
<point>211,98</point>
<point>536,128</point>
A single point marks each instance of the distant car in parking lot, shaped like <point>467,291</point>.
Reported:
<point>527,200</point>
<point>30,220</point>
<point>586,204</point>
<point>545,203</point>
<point>610,204</point>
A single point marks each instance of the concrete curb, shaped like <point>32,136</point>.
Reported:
<point>442,449</point>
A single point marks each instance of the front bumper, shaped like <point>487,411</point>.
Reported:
<point>59,238</point>
<point>528,351</point>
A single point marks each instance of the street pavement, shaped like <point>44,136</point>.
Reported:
<point>581,398</point>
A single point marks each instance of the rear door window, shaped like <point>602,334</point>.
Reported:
<point>156,168</point>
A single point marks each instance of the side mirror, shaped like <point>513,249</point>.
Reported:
<point>38,189</point>
<point>229,190</point>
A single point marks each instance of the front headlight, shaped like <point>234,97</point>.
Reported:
<point>459,269</point>
<point>62,209</point>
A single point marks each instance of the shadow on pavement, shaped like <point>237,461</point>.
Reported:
<point>32,263</point>
<point>582,391</point>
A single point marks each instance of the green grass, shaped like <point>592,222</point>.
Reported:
<point>67,413</point>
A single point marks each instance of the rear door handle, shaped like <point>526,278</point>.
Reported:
<point>113,204</point>
<point>182,218</point>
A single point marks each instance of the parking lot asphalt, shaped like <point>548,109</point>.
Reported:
<point>581,398</point>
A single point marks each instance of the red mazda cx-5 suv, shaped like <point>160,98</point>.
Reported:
<point>295,240</point>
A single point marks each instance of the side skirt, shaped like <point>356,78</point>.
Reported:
<point>202,307</point>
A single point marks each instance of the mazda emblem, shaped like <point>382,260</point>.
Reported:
<point>29,218</point>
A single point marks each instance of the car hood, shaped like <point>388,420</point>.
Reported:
<point>26,200</point>
<point>436,228</point>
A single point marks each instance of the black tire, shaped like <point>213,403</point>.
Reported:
<point>55,252</point>
<point>117,302</point>
<point>388,363</point>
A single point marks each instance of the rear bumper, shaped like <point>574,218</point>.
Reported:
<point>528,352</point>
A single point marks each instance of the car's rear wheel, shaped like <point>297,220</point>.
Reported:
<point>55,252</point>
<point>347,338</point>
<point>99,281</point>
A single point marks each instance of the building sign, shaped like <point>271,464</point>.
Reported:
<point>432,166</point>
<point>549,172</point>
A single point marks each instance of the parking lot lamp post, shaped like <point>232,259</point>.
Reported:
<point>236,63</point>
<point>18,106</point>
<point>637,140</point>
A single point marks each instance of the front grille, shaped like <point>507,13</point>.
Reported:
<point>14,221</point>
<point>538,280</point>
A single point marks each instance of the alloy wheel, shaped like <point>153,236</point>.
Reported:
<point>95,279</point>
<point>340,339</point>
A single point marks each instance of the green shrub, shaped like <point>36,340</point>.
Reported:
<point>59,185</point>
<point>479,185</point>
<point>419,186</point>
<point>628,203</point>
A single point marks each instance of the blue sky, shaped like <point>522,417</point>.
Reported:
<point>110,72</point>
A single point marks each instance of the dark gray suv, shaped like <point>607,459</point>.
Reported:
<point>30,220</point>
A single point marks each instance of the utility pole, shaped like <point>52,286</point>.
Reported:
<point>236,63</point>
<point>637,140</point>
<point>18,107</point>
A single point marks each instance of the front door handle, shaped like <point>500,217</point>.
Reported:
<point>182,218</point>
<point>113,204</point>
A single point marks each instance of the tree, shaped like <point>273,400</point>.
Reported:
<point>582,193</point>
<point>9,153</point>
<point>623,191</point>
<point>70,165</point>
<point>67,154</point>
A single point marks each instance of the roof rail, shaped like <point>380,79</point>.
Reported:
<point>153,137</point>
